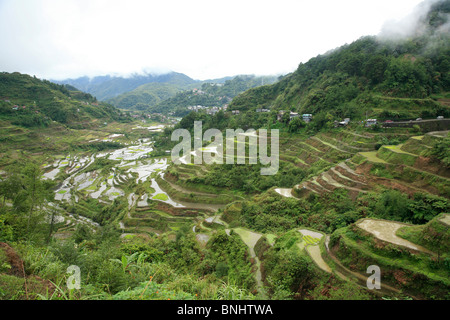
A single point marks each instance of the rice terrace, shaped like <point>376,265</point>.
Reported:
<point>328,182</point>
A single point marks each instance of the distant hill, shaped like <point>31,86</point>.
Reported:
<point>175,96</point>
<point>30,102</point>
<point>149,94</point>
<point>210,94</point>
<point>107,87</point>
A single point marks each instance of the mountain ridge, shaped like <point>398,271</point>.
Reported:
<point>108,86</point>
<point>167,98</point>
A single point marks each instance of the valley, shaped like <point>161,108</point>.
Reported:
<point>359,137</point>
<point>152,197</point>
<point>141,195</point>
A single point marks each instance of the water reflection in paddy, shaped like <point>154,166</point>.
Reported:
<point>158,190</point>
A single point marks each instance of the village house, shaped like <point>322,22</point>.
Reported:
<point>293,115</point>
<point>307,117</point>
<point>212,110</point>
<point>371,122</point>
<point>198,91</point>
<point>280,115</point>
<point>342,123</point>
<point>196,108</point>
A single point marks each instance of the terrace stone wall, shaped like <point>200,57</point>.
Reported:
<point>425,125</point>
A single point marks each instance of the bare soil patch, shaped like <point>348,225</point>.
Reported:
<point>14,260</point>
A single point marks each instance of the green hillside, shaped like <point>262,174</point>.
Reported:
<point>335,180</point>
<point>108,87</point>
<point>210,94</point>
<point>384,79</point>
<point>148,95</point>
<point>83,185</point>
<point>31,102</point>
<point>40,119</point>
<point>175,96</point>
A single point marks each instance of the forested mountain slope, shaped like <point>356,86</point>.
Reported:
<point>32,102</point>
<point>210,94</point>
<point>371,75</point>
<point>107,87</point>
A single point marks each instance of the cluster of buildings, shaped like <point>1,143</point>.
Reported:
<point>208,110</point>
<point>306,117</point>
<point>198,92</point>
<point>159,117</point>
<point>390,123</point>
<point>16,107</point>
<point>89,104</point>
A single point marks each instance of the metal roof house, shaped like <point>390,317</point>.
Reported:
<point>371,122</point>
<point>307,117</point>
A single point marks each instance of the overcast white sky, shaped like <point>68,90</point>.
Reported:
<point>56,39</point>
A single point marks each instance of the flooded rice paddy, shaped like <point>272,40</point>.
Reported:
<point>134,164</point>
<point>386,231</point>
<point>285,192</point>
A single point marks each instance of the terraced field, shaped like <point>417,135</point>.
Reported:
<point>128,174</point>
<point>405,263</point>
<point>345,264</point>
<point>386,231</point>
<point>314,154</point>
<point>164,198</point>
<point>404,167</point>
<point>310,242</point>
<point>329,154</point>
<point>250,239</point>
